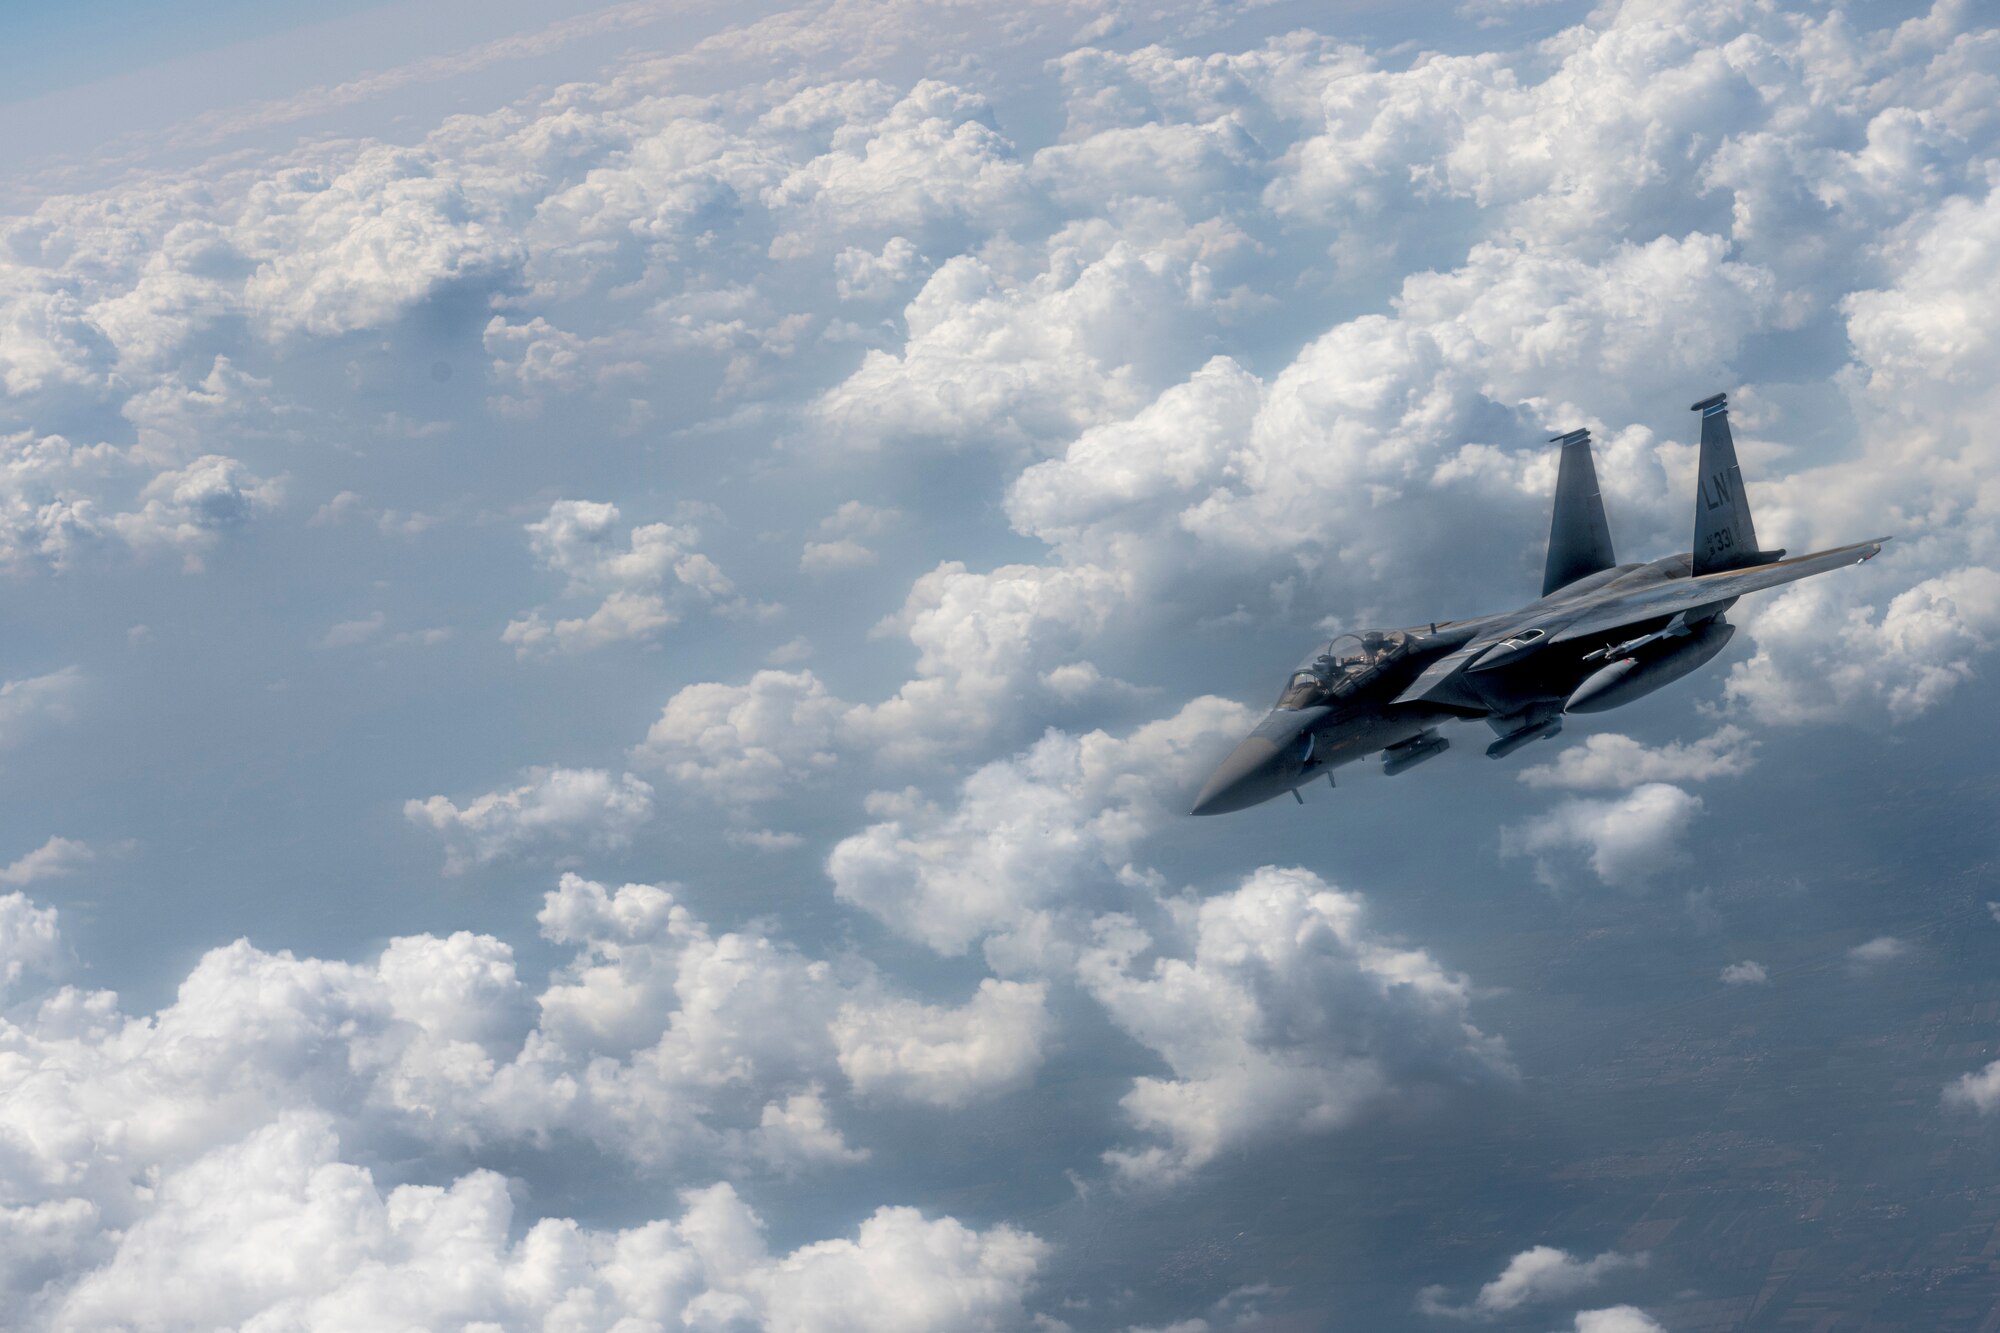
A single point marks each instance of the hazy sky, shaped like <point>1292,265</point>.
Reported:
<point>612,614</point>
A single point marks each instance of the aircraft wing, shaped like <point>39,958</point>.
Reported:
<point>1665,599</point>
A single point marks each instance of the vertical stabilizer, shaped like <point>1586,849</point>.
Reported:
<point>1579,537</point>
<point>1724,536</point>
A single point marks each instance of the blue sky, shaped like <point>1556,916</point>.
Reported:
<point>612,615</point>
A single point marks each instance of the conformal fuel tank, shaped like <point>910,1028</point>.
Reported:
<point>1647,670</point>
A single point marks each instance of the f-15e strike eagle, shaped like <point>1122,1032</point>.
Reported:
<point>1602,634</point>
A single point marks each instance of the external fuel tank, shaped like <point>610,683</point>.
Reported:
<point>1649,668</point>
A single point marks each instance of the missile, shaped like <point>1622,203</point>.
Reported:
<point>1648,668</point>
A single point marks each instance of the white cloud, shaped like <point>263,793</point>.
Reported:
<point>1882,949</point>
<point>835,557</point>
<point>932,155</point>
<point>1625,840</point>
<point>1978,1091</point>
<point>1020,363</point>
<point>660,1041</point>
<point>1029,831</point>
<point>1746,973</point>
<point>746,742</point>
<point>1819,656</point>
<point>191,508</point>
<point>29,703</point>
<point>982,640</point>
<point>1279,1013</point>
<point>645,582</point>
<point>29,942</point>
<point>57,856</point>
<point>355,247</point>
<point>1535,1276</point>
<point>1617,1319</point>
<point>945,1057</point>
<point>353,633</point>
<point>862,275</point>
<point>1611,760</point>
<point>430,1256</point>
<point>556,807</point>
<point>855,518</point>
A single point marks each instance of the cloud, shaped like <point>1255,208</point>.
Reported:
<point>421,1255</point>
<point>1819,656</point>
<point>645,582</point>
<point>1019,363</point>
<point>945,1057</point>
<point>1872,954</point>
<point>746,742</point>
<point>30,702</point>
<point>660,1041</point>
<point>29,942</point>
<point>1279,1013</point>
<point>57,856</point>
<point>1027,832</point>
<point>1610,760</point>
<point>1617,1319</point>
<point>1978,1091</point>
<point>1535,1276</point>
<point>863,275</point>
<point>1625,841</point>
<point>982,640</point>
<point>190,509</point>
<point>556,807</point>
<point>931,155</point>
<point>834,557</point>
<point>353,633</point>
<point>1745,973</point>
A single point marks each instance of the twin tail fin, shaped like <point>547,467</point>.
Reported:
<point>1579,536</point>
<point>1724,535</point>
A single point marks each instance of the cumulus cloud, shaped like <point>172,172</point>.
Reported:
<point>659,1040</point>
<point>982,640</point>
<point>746,742</point>
<point>57,856</point>
<point>1535,1276</point>
<point>561,808</point>
<point>1617,1319</point>
<point>1020,363</point>
<point>1874,953</point>
<point>644,582</point>
<point>1279,1013</point>
<point>1819,656</point>
<point>28,938</point>
<point>1611,760</point>
<point>945,1057</point>
<point>421,1255</point>
<point>1625,840</point>
<point>33,701</point>
<point>1027,831</point>
<point>835,557</point>
<point>1978,1091</point>
<point>1746,973</point>
<point>189,509</point>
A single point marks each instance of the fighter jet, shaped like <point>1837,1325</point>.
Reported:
<point>1601,635</point>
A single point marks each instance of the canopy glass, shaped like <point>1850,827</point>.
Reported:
<point>1338,669</point>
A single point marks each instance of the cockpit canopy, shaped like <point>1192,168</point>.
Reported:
<point>1336,671</point>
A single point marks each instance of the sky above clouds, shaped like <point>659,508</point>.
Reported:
<point>613,611</point>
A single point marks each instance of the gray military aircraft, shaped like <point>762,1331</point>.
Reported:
<point>1602,634</point>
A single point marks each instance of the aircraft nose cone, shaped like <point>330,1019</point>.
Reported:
<point>1241,780</point>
